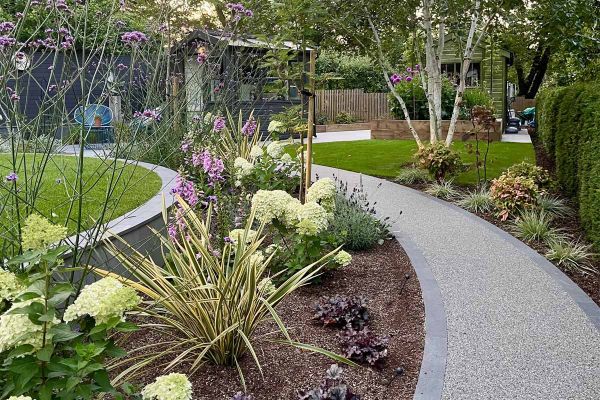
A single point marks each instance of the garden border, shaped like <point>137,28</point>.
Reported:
<point>135,225</point>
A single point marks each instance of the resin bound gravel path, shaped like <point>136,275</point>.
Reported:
<point>501,321</point>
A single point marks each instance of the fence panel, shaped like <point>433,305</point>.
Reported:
<point>364,106</point>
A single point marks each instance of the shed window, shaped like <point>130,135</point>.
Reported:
<point>452,71</point>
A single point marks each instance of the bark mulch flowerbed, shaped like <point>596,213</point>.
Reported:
<point>395,307</point>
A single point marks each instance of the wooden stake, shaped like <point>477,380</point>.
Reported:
<point>311,117</point>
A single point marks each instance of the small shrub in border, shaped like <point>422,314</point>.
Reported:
<point>332,388</point>
<point>539,175</point>
<point>364,346</point>
<point>571,255</point>
<point>478,201</point>
<point>410,176</point>
<point>343,312</point>
<point>553,205</point>
<point>441,161</point>
<point>534,226</point>
<point>513,193</point>
<point>443,190</point>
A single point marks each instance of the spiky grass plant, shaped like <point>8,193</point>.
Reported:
<point>533,225</point>
<point>553,205</point>
<point>477,201</point>
<point>572,255</point>
<point>207,305</point>
<point>443,190</point>
<point>410,176</point>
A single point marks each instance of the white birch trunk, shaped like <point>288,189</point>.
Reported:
<point>466,63</point>
<point>391,86</point>
<point>434,79</point>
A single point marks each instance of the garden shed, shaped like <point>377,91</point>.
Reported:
<point>213,63</point>
<point>488,69</point>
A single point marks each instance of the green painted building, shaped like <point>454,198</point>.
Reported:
<point>488,70</point>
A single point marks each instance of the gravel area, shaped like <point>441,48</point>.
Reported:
<point>516,325</point>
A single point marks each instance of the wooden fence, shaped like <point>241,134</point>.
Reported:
<point>364,106</point>
<point>522,103</point>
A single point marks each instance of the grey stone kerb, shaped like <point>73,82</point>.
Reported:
<point>501,321</point>
<point>135,227</point>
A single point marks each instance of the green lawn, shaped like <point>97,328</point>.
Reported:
<point>384,158</point>
<point>132,186</point>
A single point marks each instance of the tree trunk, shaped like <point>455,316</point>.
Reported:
<point>529,86</point>
<point>466,63</point>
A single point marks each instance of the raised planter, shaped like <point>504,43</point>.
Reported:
<point>135,227</point>
<point>358,126</point>
<point>398,129</point>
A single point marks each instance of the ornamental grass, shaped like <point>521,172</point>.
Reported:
<point>208,304</point>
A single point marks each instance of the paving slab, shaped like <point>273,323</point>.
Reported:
<point>515,327</point>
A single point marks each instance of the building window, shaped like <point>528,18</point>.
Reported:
<point>472,78</point>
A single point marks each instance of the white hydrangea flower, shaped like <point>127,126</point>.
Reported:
<point>275,149</point>
<point>256,151</point>
<point>286,158</point>
<point>275,126</point>
<point>10,285</point>
<point>39,233</point>
<point>311,219</point>
<point>267,286</point>
<point>20,398</point>
<point>323,192</point>
<point>237,234</point>
<point>103,300</point>
<point>168,387</point>
<point>342,258</point>
<point>270,204</point>
<point>243,167</point>
<point>256,258</point>
<point>17,329</point>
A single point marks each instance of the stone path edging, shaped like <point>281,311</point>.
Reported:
<point>516,326</point>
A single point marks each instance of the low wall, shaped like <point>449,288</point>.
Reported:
<point>135,228</point>
<point>398,129</point>
<point>359,126</point>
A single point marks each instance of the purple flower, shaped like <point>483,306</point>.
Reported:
<point>122,4</point>
<point>19,15</point>
<point>12,177</point>
<point>6,26</point>
<point>185,146</point>
<point>249,13</point>
<point>395,79</point>
<point>417,67</point>
<point>148,114</point>
<point>408,78</point>
<point>408,69</point>
<point>219,124</point>
<point>227,239</point>
<point>120,24</point>
<point>186,190</point>
<point>249,127</point>
<point>121,67</point>
<point>135,37</point>
<point>172,230</point>
<point>212,199</point>
<point>7,41</point>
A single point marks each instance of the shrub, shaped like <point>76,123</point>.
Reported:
<point>475,97</point>
<point>354,224</point>
<point>513,193</point>
<point>534,226</point>
<point>343,312</point>
<point>569,126</point>
<point>410,176</point>
<point>413,95</point>
<point>539,175</point>
<point>365,346</point>
<point>331,388</point>
<point>571,255</point>
<point>352,72</point>
<point>477,201</point>
<point>441,161</point>
<point>443,190</point>
<point>553,205</point>
<point>345,118</point>
<point>193,293</point>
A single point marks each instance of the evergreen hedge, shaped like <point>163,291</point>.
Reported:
<point>569,126</point>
